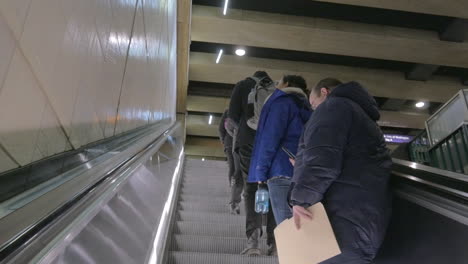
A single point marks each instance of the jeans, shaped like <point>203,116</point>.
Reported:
<point>237,181</point>
<point>253,220</point>
<point>278,188</point>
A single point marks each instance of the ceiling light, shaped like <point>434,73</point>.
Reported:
<point>219,56</point>
<point>203,159</point>
<point>225,7</point>
<point>240,52</point>
<point>420,104</point>
<point>210,120</point>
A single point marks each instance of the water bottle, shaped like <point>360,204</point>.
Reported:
<point>262,200</point>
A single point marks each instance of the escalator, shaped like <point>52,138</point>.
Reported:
<point>153,205</point>
<point>204,231</point>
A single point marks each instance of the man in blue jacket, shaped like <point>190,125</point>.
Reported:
<point>343,162</point>
<point>281,123</point>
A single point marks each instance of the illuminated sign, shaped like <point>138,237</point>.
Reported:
<point>398,139</point>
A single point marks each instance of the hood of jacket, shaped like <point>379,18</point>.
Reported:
<point>358,94</point>
<point>300,97</point>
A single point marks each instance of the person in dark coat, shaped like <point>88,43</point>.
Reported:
<point>281,124</point>
<point>240,112</point>
<point>344,163</point>
<point>226,139</point>
<point>227,133</point>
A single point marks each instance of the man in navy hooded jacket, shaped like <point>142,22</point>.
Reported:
<point>343,162</point>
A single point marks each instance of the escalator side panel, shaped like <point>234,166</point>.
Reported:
<point>419,235</point>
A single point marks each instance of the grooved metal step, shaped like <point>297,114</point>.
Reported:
<point>205,178</point>
<point>217,179</point>
<point>206,199</point>
<point>210,218</point>
<point>210,244</point>
<point>210,229</point>
<point>205,232</point>
<point>207,186</point>
<point>205,192</point>
<point>212,207</point>
<point>210,258</point>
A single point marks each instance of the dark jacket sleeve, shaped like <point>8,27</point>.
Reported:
<point>325,139</point>
<point>276,125</point>
<point>221,129</point>
<point>235,106</point>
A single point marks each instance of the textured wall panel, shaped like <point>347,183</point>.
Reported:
<point>74,72</point>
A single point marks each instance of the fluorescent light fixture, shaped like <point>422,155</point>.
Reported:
<point>219,56</point>
<point>210,120</point>
<point>240,52</point>
<point>226,2</point>
<point>420,104</point>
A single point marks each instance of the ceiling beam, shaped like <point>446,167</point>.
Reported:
<point>217,105</point>
<point>184,12</point>
<point>207,104</point>
<point>456,31</point>
<point>308,34</point>
<point>198,125</point>
<point>208,147</point>
<point>452,8</point>
<point>393,104</point>
<point>421,72</point>
<point>382,83</point>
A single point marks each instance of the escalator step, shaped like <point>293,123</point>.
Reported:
<point>210,244</point>
<point>227,219</point>
<point>206,199</point>
<point>210,207</point>
<point>210,229</point>
<point>207,258</point>
<point>205,232</point>
<point>205,192</point>
<point>208,187</point>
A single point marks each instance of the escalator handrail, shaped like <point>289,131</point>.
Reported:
<point>10,244</point>
<point>439,187</point>
<point>435,171</point>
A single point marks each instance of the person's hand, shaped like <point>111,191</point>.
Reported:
<point>300,213</point>
<point>293,162</point>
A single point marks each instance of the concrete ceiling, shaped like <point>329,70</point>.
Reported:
<point>394,48</point>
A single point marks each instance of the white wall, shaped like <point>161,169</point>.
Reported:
<point>77,71</point>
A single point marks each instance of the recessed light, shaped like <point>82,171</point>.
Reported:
<point>420,104</point>
<point>219,56</point>
<point>240,52</point>
<point>226,2</point>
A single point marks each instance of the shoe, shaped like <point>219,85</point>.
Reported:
<point>272,251</point>
<point>251,252</point>
<point>252,248</point>
<point>235,209</point>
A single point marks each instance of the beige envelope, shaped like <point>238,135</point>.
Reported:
<point>313,243</point>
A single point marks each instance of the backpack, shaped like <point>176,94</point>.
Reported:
<point>263,88</point>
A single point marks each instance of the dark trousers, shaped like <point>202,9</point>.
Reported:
<point>253,220</point>
<point>237,181</point>
<point>355,247</point>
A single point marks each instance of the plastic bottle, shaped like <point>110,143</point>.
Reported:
<point>262,200</point>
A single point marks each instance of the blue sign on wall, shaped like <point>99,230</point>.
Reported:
<point>397,139</point>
